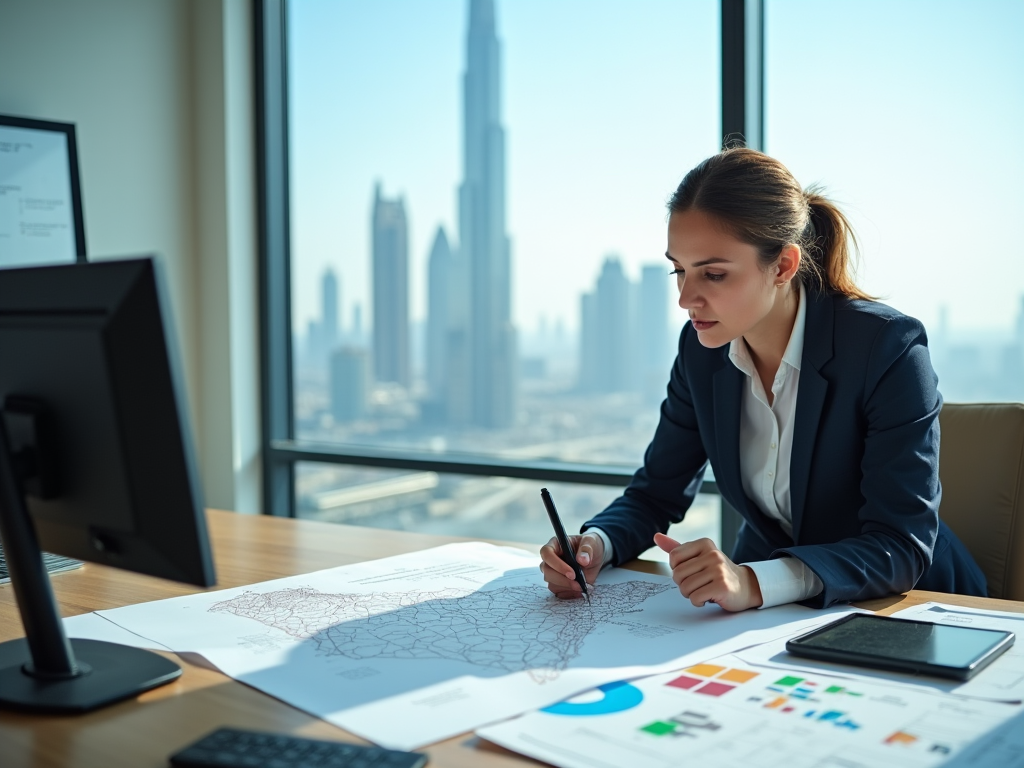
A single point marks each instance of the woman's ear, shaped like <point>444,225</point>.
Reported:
<point>788,264</point>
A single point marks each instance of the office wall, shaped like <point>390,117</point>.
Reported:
<point>161,92</point>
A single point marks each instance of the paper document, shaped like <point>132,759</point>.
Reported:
<point>92,626</point>
<point>1003,747</point>
<point>727,714</point>
<point>1002,680</point>
<point>412,649</point>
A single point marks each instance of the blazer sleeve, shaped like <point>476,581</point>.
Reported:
<point>899,519</point>
<point>664,487</point>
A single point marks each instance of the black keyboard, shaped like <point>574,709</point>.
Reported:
<point>52,563</point>
<point>234,748</point>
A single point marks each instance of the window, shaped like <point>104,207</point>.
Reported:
<point>477,218</point>
<point>908,113</point>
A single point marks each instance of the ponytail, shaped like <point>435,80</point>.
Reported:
<point>826,242</point>
<point>758,200</point>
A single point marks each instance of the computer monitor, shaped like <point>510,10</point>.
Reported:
<point>41,218</point>
<point>95,463</point>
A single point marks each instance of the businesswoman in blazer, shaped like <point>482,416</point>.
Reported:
<point>816,407</point>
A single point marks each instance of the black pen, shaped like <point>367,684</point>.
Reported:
<point>563,541</point>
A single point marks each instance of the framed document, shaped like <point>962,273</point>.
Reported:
<point>40,197</point>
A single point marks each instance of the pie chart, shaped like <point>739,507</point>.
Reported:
<point>615,697</point>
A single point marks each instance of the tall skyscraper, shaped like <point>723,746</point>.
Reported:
<point>484,249</point>
<point>390,290</point>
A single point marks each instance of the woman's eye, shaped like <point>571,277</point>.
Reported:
<point>678,272</point>
<point>715,277</point>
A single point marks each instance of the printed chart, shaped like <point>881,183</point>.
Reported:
<point>726,714</point>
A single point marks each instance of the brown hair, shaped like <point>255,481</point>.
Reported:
<point>757,199</point>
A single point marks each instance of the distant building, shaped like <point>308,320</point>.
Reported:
<point>609,353</point>
<point>390,290</point>
<point>484,247</point>
<point>624,339</point>
<point>979,367</point>
<point>439,317</point>
<point>322,335</point>
<point>655,348</point>
<point>590,347</point>
<point>331,298</point>
<point>349,384</point>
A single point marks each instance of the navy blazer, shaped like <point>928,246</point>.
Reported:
<point>864,472</point>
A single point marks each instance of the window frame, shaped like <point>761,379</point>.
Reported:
<point>742,67</point>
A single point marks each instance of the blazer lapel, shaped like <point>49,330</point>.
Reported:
<point>728,390</point>
<point>810,399</point>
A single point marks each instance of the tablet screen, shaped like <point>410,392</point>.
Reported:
<point>939,644</point>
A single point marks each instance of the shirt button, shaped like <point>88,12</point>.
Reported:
<point>773,446</point>
<point>771,474</point>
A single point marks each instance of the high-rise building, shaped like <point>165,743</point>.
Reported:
<point>624,340</point>
<point>654,346</point>
<point>390,290</point>
<point>322,335</point>
<point>590,347</point>
<point>483,268</point>
<point>439,321</point>
<point>349,384</point>
<point>614,321</point>
<point>331,299</point>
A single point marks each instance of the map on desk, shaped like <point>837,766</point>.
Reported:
<point>507,628</point>
<point>412,649</point>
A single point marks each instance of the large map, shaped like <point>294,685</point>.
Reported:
<point>441,640</point>
<point>510,628</point>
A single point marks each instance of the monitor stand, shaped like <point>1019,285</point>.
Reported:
<point>45,672</point>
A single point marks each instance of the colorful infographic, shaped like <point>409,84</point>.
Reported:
<point>725,713</point>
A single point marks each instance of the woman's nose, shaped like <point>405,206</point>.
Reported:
<point>687,296</point>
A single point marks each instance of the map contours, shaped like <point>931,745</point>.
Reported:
<point>512,629</point>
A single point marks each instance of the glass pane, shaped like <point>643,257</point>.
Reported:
<point>909,118</point>
<point>478,219</point>
<point>457,505</point>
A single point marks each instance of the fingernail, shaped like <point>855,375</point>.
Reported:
<point>584,558</point>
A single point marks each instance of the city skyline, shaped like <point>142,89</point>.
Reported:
<point>609,111</point>
<point>626,345</point>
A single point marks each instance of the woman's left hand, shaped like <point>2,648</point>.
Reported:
<point>705,574</point>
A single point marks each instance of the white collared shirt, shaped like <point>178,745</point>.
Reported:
<point>766,446</point>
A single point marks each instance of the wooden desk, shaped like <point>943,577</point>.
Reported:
<point>142,732</point>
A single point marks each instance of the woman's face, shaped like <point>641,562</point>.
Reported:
<point>722,285</point>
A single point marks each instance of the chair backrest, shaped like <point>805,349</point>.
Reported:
<point>981,466</point>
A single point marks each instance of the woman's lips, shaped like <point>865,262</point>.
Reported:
<point>703,325</point>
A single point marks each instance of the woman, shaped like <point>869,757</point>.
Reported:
<point>816,407</point>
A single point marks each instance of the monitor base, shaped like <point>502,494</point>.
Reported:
<point>114,672</point>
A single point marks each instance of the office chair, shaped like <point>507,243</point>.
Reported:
<point>981,466</point>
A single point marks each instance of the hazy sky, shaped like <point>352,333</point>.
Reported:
<point>909,111</point>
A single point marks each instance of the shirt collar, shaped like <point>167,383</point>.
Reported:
<point>739,354</point>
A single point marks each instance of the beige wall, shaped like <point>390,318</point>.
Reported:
<point>161,93</point>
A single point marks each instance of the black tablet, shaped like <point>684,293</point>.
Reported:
<point>904,645</point>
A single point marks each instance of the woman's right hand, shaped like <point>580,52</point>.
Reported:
<point>561,580</point>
